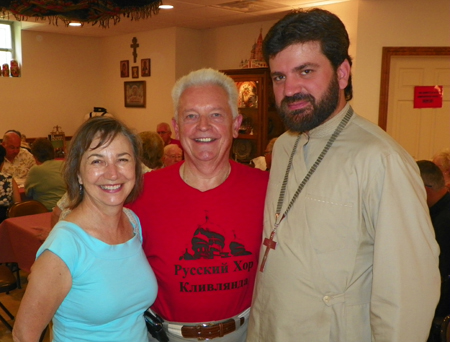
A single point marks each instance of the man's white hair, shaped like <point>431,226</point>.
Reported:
<point>172,147</point>
<point>203,77</point>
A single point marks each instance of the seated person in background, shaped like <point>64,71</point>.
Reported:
<point>172,154</point>
<point>438,200</point>
<point>9,191</point>
<point>18,161</point>
<point>164,131</point>
<point>24,144</point>
<point>91,276</point>
<point>152,150</point>
<point>45,182</point>
<point>442,160</point>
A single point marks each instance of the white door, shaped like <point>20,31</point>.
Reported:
<point>422,132</point>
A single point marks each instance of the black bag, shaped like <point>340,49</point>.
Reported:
<point>155,326</point>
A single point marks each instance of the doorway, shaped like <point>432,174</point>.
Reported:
<point>422,132</point>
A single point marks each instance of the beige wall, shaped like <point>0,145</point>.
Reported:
<point>173,53</point>
<point>159,46</point>
<point>60,82</point>
<point>226,46</point>
<point>189,51</point>
<point>393,23</point>
<point>64,77</point>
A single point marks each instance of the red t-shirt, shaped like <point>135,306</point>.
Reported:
<point>202,246</point>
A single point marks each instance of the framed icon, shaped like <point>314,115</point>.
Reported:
<point>135,72</point>
<point>146,67</point>
<point>124,69</point>
<point>135,94</point>
<point>248,94</point>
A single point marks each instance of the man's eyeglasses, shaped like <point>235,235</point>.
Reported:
<point>162,132</point>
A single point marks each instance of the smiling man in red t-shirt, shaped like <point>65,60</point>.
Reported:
<point>202,219</point>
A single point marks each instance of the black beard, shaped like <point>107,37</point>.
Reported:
<point>305,119</point>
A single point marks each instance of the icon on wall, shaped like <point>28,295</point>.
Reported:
<point>145,67</point>
<point>124,69</point>
<point>248,94</point>
<point>135,72</point>
<point>135,94</point>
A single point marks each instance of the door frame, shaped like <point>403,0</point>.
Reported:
<point>392,51</point>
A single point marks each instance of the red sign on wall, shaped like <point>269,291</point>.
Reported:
<point>428,97</point>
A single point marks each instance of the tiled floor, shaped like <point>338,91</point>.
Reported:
<point>12,301</point>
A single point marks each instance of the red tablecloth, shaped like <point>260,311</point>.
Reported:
<point>21,237</point>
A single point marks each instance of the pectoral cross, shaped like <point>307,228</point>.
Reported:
<point>134,46</point>
<point>270,244</point>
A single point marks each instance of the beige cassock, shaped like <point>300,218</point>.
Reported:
<point>356,259</point>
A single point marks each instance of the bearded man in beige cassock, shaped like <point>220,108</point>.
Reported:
<point>349,253</point>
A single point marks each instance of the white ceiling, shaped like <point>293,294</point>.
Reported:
<point>194,14</point>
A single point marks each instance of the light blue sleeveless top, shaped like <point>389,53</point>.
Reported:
<point>112,286</point>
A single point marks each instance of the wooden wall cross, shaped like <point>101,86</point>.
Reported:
<point>134,46</point>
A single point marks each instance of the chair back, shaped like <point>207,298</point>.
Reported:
<point>26,208</point>
<point>445,330</point>
<point>7,279</point>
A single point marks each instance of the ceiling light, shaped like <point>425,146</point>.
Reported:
<point>165,6</point>
<point>74,24</point>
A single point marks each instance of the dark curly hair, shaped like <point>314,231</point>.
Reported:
<point>302,26</point>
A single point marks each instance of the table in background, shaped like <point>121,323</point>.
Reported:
<point>21,237</point>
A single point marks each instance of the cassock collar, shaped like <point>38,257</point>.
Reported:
<point>327,128</point>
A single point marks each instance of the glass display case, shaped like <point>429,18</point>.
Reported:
<point>257,106</point>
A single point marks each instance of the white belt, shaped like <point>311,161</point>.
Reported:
<point>175,327</point>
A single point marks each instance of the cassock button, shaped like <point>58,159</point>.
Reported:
<point>330,300</point>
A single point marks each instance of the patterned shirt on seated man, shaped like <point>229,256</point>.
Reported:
<point>18,161</point>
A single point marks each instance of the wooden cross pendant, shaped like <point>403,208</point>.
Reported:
<point>270,244</point>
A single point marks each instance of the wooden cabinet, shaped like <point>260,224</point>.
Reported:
<point>257,106</point>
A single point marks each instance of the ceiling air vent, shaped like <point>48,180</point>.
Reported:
<point>248,6</point>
